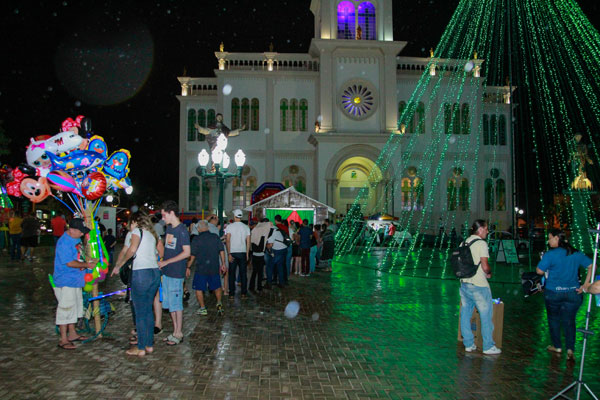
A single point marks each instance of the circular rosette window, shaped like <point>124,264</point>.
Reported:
<point>358,100</point>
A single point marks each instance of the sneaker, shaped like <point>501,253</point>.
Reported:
<point>470,349</point>
<point>492,351</point>
<point>554,349</point>
<point>219,309</point>
<point>202,311</point>
<point>570,356</point>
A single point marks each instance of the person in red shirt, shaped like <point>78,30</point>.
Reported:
<point>58,227</point>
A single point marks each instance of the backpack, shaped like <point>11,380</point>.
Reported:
<point>286,238</point>
<point>260,247</point>
<point>462,261</point>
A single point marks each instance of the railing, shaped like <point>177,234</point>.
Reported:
<point>261,61</point>
<point>420,64</point>
<point>198,86</point>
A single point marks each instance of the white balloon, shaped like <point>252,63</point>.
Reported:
<point>291,310</point>
<point>227,89</point>
<point>469,66</point>
<point>134,208</point>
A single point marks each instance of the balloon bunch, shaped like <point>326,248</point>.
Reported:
<point>98,252</point>
<point>73,166</point>
<point>5,172</point>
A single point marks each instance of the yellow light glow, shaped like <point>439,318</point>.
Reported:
<point>357,100</point>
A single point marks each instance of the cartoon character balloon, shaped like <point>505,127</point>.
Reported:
<point>117,165</point>
<point>35,188</point>
<point>94,186</point>
<point>64,182</point>
<point>37,157</point>
<point>98,145</point>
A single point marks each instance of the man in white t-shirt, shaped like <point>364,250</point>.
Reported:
<point>475,292</point>
<point>277,244</point>
<point>238,249</point>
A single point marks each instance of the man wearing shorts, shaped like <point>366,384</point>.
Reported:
<point>68,281</point>
<point>208,253</point>
<point>173,267</point>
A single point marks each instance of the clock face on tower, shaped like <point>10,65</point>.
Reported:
<point>357,99</point>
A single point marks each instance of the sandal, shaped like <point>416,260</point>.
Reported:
<point>79,338</point>
<point>67,346</point>
<point>134,351</point>
<point>173,340</point>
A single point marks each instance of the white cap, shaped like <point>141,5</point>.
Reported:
<point>238,213</point>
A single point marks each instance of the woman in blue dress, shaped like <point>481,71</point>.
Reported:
<point>563,290</point>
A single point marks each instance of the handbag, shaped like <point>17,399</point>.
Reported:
<point>127,267</point>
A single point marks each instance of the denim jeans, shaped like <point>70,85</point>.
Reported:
<point>239,260</point>
<point>288,260</point>
<point>480,297</point>
<point>15,247</point>
<point>305,254</point>
<point>144,284</point>
<point>258,264</point>
<point>313,258</point>
<point>561,308</point>
<point>279,263</point>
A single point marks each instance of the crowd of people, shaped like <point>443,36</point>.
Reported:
<point>164,252</point>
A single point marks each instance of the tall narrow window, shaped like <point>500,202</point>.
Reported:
<point>245,113</point>
<point>202,117</point>
<point>294,114</point>
<point>235,113</point>
<point>419,188</point>
<point>465,119</point>
<point>255,113</point>
<point>205,195</point>
<point>303,115</point>
<point>211,117</point>
<point>283,114</point>
<point>194,193</point>
<point>493,130</point>
<point>486,129</point>
<point>401,108</point>
<point>500,195</point>
<point>366,20</point>
<point>346,20</point>
<point>421,118</point>
<point>489,195</point>
<point>238,192</point>
<point>463,195</point>
<point>456,119</point>
<point>451,194</point>
<point>191,131</point>
<point>250,188</point>
<point>502,130</point>
<point>406,192</point>
<point>447,118</point>
<point>411,122</point>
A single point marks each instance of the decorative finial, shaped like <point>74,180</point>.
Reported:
<point>221,47</point>
<point>431,52</point>
<point>271,47</point>
<point>475,55</point>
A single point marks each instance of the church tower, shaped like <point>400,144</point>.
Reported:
<point>355,45</point>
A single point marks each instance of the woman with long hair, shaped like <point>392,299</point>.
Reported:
<point>145,278</point>
<point>563,290</point>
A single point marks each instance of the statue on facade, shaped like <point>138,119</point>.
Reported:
<point>579,159</point>
<point>212,132</point>
<point>221,47</point>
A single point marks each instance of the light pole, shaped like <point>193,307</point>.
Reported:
<point>221,162</point>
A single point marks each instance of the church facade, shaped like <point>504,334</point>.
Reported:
<point>319,121</point>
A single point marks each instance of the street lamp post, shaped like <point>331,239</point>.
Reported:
<point>221,162</point>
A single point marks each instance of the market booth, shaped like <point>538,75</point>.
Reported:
<point>291,205</point>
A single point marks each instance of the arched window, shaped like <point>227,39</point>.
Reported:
<point>245,113</point>
<point>500,195</point>
<point>211,117</point>
<point>486,129</point>
<point>346,20</point>
<point>202,118</point>
<point>235,113</point>
<point>493,130</point>
<point>205,195</point>
<point>366,20</point>
<point>238,192</point>
<point>412,191</point>
<point>303,115</point>
<point>447,118</point>
<point>294,176</point>
<point>191,128</point>
<point>255,113</point>
<point>294,114</point>
<point>405,189</point>
<point>502,130</point>
<point>465,119</point>
<point>456,119</point>
<point>194,193</point>
<point>250,188</point>
<point>489,195</point>
<point>463,195</point>
<point>401,108</point>
<point>243,188</point>
<point>451,194</point>
<point>283,114</point>
<point>421,118</point>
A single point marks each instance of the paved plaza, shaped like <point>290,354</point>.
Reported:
<point>361,333</point>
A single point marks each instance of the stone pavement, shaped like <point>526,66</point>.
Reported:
<point>361,334</point>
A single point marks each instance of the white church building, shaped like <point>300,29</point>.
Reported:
<point>319,121</point>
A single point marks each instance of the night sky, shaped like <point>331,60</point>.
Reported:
<point>117,62</point>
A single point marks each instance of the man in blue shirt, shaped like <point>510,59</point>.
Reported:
<point>68,281</point>
<point>305,234</point>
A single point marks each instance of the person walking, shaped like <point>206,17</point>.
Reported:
<point>476,292</point>
<point>208,255</point>
<point>277,244</point>
<point>305,235</point>
<point>238,249</point>
<point>258,239</point>
<point>29,240</point>
<point>173,268</point>
<point>15,230</point>
<point>315,242</point>
<point>58,226</point>
<point>145,277</point>
<point>563,291</point>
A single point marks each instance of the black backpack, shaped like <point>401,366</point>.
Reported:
<point>462,261</point>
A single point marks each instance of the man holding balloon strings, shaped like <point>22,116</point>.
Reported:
<point>69,280</point>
